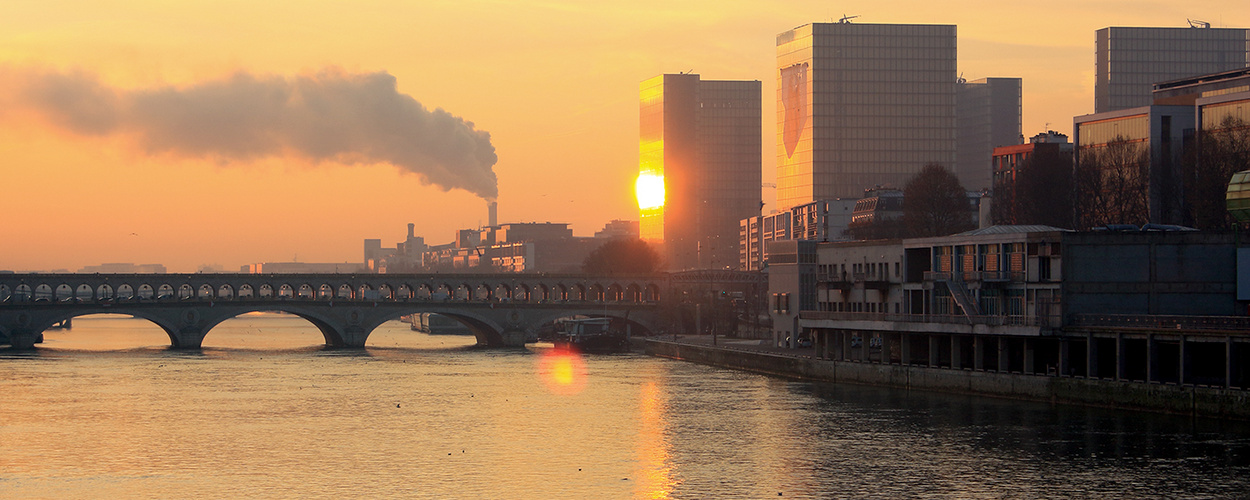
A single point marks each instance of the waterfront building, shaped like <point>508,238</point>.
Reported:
<point>1129,60</point>
<point>861,105</point>
<point>987,116</point>
<point>1025,299</point>
<point>700,140</point>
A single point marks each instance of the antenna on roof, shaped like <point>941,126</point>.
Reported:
<point>846,19</point>
<point>1194,23</point>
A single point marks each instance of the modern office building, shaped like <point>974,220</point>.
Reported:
<point>824,220</point>
<point>987,116</point>
<point>700,141</point>
<point>861,105</point>
<point>1128,165</point>
<point>1130,60</point>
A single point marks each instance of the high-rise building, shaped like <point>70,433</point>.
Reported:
<point>861,105</point>
<point>699,167</point>
<point>988,116</point>
<point>1130,60</point>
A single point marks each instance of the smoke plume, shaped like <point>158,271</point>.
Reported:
<point>350,118</point>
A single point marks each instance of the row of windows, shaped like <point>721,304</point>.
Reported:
<point>879,122</point>
<point>943,99</point>
<point>1102,132</point>
<point>848,62</point>
<point>1213,116</point>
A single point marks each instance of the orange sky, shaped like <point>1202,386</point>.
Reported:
<point>555,83</point>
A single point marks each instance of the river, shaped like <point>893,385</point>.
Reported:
<point>106,410</point>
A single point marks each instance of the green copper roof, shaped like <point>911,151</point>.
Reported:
<point>1238,198</point>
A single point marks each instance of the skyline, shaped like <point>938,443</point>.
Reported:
<point>553,83</point>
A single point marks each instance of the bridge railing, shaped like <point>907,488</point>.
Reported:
<point>38,289</point>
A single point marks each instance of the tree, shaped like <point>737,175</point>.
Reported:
<point>1113,184</point>
<point>935,204</point>
<point>1220,153</point>
<point>1043,193</point>
<point>622,256</point>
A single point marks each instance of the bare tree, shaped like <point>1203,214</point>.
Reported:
<point>935,204</point>
<point>1044,189</point>
<point>1220,153</point>
<point>1113,184</point>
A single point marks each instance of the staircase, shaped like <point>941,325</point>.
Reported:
<point>963,298</point>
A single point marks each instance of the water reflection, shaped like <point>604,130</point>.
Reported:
<point>653,446</point>
<point>427,420</point>
<point>562,372</point>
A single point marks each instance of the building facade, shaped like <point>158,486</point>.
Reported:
<point>987,116</point>
<point>1146,306</point>
<point>860,105</point>
<point>824,220</point>
<point>1129,60</point>
<point>701,140</point>
<point>1127,165</point>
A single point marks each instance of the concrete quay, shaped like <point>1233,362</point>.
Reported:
<point>802,364</point>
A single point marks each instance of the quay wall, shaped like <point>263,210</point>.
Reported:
<point>1170,398</point>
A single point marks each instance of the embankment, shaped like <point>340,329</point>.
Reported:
<point>1200,401</point>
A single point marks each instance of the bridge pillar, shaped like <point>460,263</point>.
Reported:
<point>513,338</point>
<point>187,338</point>
<point>24,340</point>
<point>354,337</point>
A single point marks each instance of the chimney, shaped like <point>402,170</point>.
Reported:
<point>411,229</point>
<point>492,209</point>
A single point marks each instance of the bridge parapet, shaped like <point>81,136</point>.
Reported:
<point>534,288</point>
<point>346,308</point>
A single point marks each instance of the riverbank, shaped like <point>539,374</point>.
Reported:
<point>801,364</point>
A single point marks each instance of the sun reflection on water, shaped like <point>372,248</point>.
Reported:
<point>562,372</point>
<point>653,446</point>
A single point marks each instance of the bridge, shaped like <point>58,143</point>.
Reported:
<point>500,309</point>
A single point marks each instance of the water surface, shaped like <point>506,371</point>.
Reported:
<point>107,410</point>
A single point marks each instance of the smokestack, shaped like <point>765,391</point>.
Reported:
<point>492,209</point>
<point>411,230</point>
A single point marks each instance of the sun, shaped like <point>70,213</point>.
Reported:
<point>650,191</point>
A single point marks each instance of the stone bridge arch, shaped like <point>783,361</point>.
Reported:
<point>487,331</point>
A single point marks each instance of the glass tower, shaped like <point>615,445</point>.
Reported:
<point>1130,60</point>
<point>702,138</point>
<point>988,116</point>
<point>862,105</point>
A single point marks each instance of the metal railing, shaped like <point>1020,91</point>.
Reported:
<point>957,319</point>
<point>1162,321</point>
<point>1012,276</point>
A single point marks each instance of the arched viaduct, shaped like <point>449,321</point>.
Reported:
<point>501,309</point>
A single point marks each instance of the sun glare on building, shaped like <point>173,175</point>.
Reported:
<point>650,191</point>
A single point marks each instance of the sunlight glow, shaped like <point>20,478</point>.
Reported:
<point>563,372</point>
<point>650,191</point>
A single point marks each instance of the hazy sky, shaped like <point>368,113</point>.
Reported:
<point>166,132</point>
